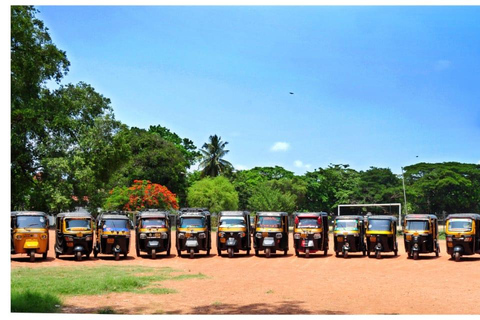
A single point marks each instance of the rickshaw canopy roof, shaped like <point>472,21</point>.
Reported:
<point>349,217</point>
<point>28,213</point>
<point>152,214</point>
<point>233,213</point>
<point>113,216</point>
<point>310,214</point>
<point>272,214</point>
<point>420,217</point>
<point>74,215</point>
<point>382,217</point>
<point>474,216</point>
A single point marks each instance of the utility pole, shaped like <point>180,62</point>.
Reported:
<point>404,194</point>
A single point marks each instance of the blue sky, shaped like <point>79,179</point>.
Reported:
<point>373,86</point>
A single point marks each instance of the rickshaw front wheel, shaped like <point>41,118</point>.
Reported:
<point>78,256</point>
<point>457,256</point>
<point>192,252</point>
<point>230,252</point>
<point>307,253</point>
<point>32,256</point>
<point>345,254</point>
<point>415,255</point>
<point>154,254</point>
<point>117,256</point>
<point>267,252</point>
<point>378,254</point>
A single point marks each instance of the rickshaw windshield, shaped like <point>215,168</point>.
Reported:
<point>115,224</point>
<point>192,223</point>
<point>269,222</point>
<point>379,225</point>
<point>78,223</point>
<point>232,222</point>
<point>308,223</point>
<point>460,225</point>
<point>31,222</point>
<point>346,225</point>
<point>417,225</point>
<point>153,223</point>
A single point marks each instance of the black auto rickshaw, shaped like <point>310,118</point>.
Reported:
<point>193,231</point>
<point>74,234</point>
<point>233,233</point>
<point>29,233</point>
<point>310,233</point>
<point>420,233</point>
<point>463,234</point>
<point>349,235</point>
<point>113,234</point>
<point>381,233</point>
<point>152,232</point>
<point>271,232</point>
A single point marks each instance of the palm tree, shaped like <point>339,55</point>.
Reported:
<point>212,163</point>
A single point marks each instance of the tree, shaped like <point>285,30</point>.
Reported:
<point>212,163</point>
<point>143,194</point>
<point>216,194</point>
<point>268,198</point>
<point>379,185</point>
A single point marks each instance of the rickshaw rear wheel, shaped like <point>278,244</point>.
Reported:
<point>117,256</point>
<point>179,253</point>
<point>95,253</point>
<point>137,251</point>
<point>395,252</point>
<point>307,253</point>
<point>154,254</point>
<point>248,252</point>
<point>325,252</point>
<point>285,252</point>
<point>409,254</point>
<point>208,252</point>
<point>87,255</point>
<point>457,256</point>
<point>57,255</point>
<point>415,255</point>
<point>125,255</point>
<point>44,256</point>
<point>168,252</point>
<point>297,253</point>
<point>437,251</point>
<point>78,256</point>
<point>230,252</point>
<point>364,253</point>
<point>32,256</point>
<point>192,252</point>
<point>267,252</point>
<point>256,252</point>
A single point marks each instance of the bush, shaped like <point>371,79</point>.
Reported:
<point>34,302</point>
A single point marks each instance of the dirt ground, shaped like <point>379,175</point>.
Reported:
<point>292,285</point>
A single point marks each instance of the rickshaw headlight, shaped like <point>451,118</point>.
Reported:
<point>143,236</point>
<point>242,234</point>
<point>18,237</point>
<point>278,235</point>
<point>221,234</point>
<point>164,235</point>
<point>43,236</point>
<point>201,236</point>
<point>316,236</point>
<point>258,235</point>
<point>181,236</point>
<point>69,238</point>
<point>296,236</point>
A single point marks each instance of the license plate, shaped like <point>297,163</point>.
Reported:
<point>304,236</point>
<point>265,234</point>
<point>110,240</point>
<point>79,234</point>
<point>223,240</point>
<point>191,243</point>
<point>268,242</point>
<point>157,235</point>
<point>373,238</point>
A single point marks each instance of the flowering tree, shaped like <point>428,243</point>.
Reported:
<point>143,194</point>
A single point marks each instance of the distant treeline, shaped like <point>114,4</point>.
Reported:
<point>67,150</point>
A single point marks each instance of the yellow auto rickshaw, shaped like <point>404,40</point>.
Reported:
<point>381,235</point>
<point>29,231</point>
<point>271,233</point>
<point>463,234</point>
<point>420,233</point>
<point>74,234</point>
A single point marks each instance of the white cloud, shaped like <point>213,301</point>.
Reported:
<point>441,65</point>
<point>308,166</point>
<point>280,146</point>
<point>240,167</point>
<point>298,163</point>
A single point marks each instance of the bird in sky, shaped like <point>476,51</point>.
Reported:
<point>291,92</point>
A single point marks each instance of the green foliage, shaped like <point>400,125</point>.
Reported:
<point>266,197</point>
<point>34,302</point>
<point>212,153</point>
<point>106,310</point>
<point>216,194</point>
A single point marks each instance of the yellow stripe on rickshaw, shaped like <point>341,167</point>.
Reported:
<point>226,229</point>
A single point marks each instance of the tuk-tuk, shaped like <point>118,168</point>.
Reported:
<point>310,233</point>
<point>193,231</point>
<point>29,233</point>
<point>113,234</point>
<point>74,234</point>
<point>233,233</point>
<point>463,234</point>
<point>349,235</point>
<point>152,232</point>
<point>420,233</point>
<point>381,233</point>
<point>271,232</point>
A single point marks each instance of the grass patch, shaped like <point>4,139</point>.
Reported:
<point>217,304</point>
<point>55,282</point>
<point>269,292</point>
<point>106,310</point>
<point>34,302</point>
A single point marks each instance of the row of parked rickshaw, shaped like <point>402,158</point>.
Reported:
<point>79,234</point>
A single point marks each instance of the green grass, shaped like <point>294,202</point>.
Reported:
<point>106,310</point>
<point>55,282</point>
<point>34,302</point>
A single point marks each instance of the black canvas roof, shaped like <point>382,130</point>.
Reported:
<point>113,215</point>
<point>233,213</point>
<point>474,216</point>
<point>152,214</point>
<point>272,213</point>
<point>382,217</point>
<point>28,213</point>
<point>420,216</point>
<point>74,215</point>
<point>349,217</point>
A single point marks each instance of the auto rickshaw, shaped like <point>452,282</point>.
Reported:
<point>349,235</point>
<point>233,233</point>
<point>152,232</point>
<point>193,231</point>
<point>463,234</point>
<point>113,234</point>
<point>381,233</point>
<point>310,233</point>
<point>29,232</point>
<point>73,234</point>
<point>420,233</point>
<point>271,232</point>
